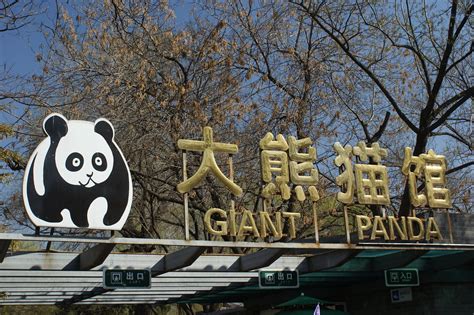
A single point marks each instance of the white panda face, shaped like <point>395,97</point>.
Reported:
<point>83,157</point>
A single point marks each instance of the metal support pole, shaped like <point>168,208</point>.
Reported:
<point>186,199</point>
<point>48,245</point>
<point>315,221</point>
<point>450,227</point>
<point>231,177</point>
<point>346,224</point>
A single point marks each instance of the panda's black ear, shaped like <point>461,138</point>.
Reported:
<point>104,128</point>
<point>55,126</point>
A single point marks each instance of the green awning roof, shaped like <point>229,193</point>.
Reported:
<point>302,300</point>
<point>323,311</point>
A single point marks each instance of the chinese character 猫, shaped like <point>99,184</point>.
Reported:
<point>129,276</point>
<point>432,168</point>
<point>288,167</point>
<point>346,178</point>
<point>208,164</point>
<point>371,180</point>
<point>374,188</point>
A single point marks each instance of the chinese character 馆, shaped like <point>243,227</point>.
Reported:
<point>430,168</point>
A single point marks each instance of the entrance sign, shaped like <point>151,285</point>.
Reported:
<point>401,295</point>
<point>77,177</point>
<point>288,169</point>
<point>126,278</point>
<point>403,277</point>
<point>284,279</point>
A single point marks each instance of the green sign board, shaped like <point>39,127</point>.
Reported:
<point>278,279</point>
<point>403,277</point>
<point>126,278</point>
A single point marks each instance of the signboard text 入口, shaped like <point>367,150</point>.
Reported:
<point>402,277</point>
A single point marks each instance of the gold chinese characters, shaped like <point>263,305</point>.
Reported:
<point>370,180</point>
<point>287,164</point>
<point>288,167</point>
<point>208,164</point>
<point>432,169</point>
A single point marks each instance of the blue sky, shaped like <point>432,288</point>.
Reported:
<point>18,48</point>
<point>18,51</point>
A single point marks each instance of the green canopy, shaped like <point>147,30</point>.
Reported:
<point>303,300</point>
<point>324,311</point>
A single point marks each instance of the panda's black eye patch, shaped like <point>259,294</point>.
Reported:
<point>99,162</point>
<point>74,162</point>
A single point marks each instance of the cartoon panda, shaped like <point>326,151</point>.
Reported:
<point>77,177</point>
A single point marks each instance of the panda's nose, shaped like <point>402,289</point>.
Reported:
<point>90,175</point>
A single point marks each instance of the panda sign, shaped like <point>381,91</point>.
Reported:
<point>77,177</point>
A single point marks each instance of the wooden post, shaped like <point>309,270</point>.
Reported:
<point>346,223</point>
<point>186,199</point>
<point>315,222</point>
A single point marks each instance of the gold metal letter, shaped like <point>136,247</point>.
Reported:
<point>393,224</point>
<point>361,227</point>
<point>232,224</point>
<point>411,234</point>
<point>221,224</point>
<point>379,229</point>
<point>432,230</point>
<point>247,216</point>
<point>346,177</point>
<point>291,218</point>
<point>208,163</point>
<point>266,222</point>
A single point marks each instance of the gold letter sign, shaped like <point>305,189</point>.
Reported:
<point>432,168</point>
<point>289,163</point>
<point>208,163</point>
<point>371,179</point>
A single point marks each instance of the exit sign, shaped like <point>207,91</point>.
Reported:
<point>403,277</point>
<point>126,278</point>
<point>278,279</point>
